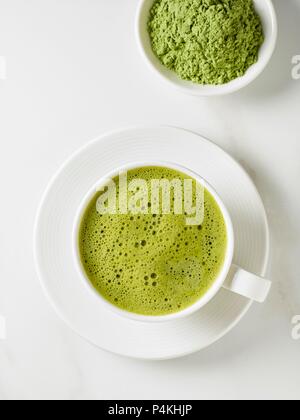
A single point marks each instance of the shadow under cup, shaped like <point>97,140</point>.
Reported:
<point>142,262</point>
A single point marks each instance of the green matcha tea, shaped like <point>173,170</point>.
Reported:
<point>209,42</point>
<point>152,264</point>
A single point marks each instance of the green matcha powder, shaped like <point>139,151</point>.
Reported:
<point>206,41</point>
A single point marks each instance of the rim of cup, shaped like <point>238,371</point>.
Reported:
<point>266,11</point>
<point>219,281</point>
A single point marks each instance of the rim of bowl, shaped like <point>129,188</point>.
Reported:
<point>219,281</point>
<point>265,55</point>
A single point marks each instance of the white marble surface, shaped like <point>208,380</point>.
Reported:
<point>73,72</point>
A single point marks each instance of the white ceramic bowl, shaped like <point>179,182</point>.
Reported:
<point>267,13</point>
<point>200,302</point>
<point>230,277</point>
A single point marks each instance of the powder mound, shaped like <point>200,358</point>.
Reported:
<point>209,42</point>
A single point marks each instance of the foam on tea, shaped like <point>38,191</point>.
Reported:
<point>152,264</point>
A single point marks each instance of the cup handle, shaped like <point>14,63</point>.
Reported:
<point>247,284</point>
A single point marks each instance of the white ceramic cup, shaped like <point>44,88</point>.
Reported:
<point>231,277</point>
<point>267,13</point>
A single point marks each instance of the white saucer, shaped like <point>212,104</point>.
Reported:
<point>53,242</point>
